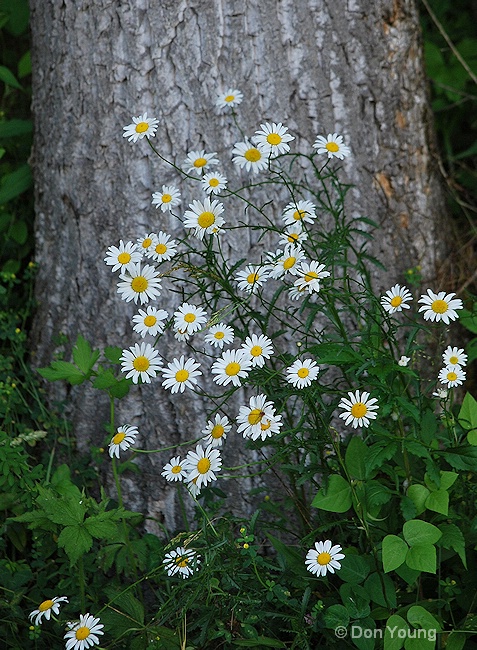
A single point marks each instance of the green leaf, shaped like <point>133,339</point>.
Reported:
<point>468,413</point>
<point>127,603</point>
<point>9,78</point>
<point>83,356</point>
<point>452,538</point>
<point>259,642</point>
<point>24,65</point>
<point>101,529</point>
<point>14,128</point>
<point>422,557</point>
<point>408,575</point>
<point>456,641</point>
<point>121,388</point>
<point>66,511</point>
<point>76,541</point>
<point>374,587</point>
<point>462,457</point>
<point>355,458</point>
<point>420,532</point>
<point>394,552</point>
<point>354,569</point>
<point>421,618</point>
<point>448,479</point>
<point>113,354</point>
<point>336,616</point>
<point>15,183</point>
<point>362,639</point>
<point>438,501</point>
<point>378,453</point>
<point>468,320</point>
<point>19,232</point>
<point>105,380</point>
<point>392,638</point>
<point>418,494</point>
<point>58,370</point>
<point>290,557</point>
<point>355,599</point>
<point>337,497</point>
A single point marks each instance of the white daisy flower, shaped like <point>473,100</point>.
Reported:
<point>202,464</point>
<point>189,318</point>
<point>174,470</point>
<point>213,183</point>
<point>192,488</point>
<point>149,321</point>
<point>167,199</point>
<point>147,242</point>
<point>252,277</point>
<point>309,276</point>
<point>396,299</point>
<point>139,284</point>
<point>182,335</point>
<point>46,608</point>
<point>299,211</point>
<point>232,97</point>
<point>358,409</point>
<point>258,348</point>
<point>452,376</point>
<point>324,557</point>
<point>142,126</point>
<point>83,635</point>
<point>124,437</point>
<point>204,217</point>
<point>302,372</point>
<point>215,432</point>
<point>287,261</point>
<point>124,256</point>
<point>163,249</point>
<point>180,374</point>
<point>219,335</point>
<point>332,145</point>
<point>230,367</point>
<point>140,361</point>
<point>454,356</point>
<point>182,561</point>
<point>294,234</point>
<point>199,161</point>
<point>441,393</point>
<point>295,293</point>
<point>440,306</point>
<point>274,138</point>
<point>258,419</point>
<point>253,157</point>
<point>404,361</point>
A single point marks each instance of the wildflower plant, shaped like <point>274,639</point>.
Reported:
<point>326,381</point>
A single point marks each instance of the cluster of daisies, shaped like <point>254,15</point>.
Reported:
<point>81,634</point>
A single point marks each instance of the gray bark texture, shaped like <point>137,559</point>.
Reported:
<point>319,66</point>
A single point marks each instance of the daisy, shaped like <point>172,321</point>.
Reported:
<point>204,217</point>
<point>137,284</point>
<point>440,306</point>
<point>83,635</point>
<point>124,437</point>
<point>180,374</point>
<point>46,608</point>
<point>295,293</point>
<point>214,183</point>
<point>141,126</point>
<point>232,365</point>
<point>358,409</point>
<point>274,138</point>
<point>219,335</point>
<point>253,157</point>
<point>232,97</point>
<point>163,249</point>
<point>147,242</point>
<point>202,464</point>
<point>396,299</point>
<point>199,161</point>
<point>122,257</point>
<point>302,372</point>
<point>149,321</point>
<point>192,488</point>
<point>288,261</point>
<point>140,361</point>
<point>332,145</point>
<point>216,431</point>
<point>452,376</point>
<point>256,420</point>
<point>309,276</point>
<point>174,470</point>
<point>454,356</point>
<point>167,199</point>
<point>252,277</point>
<point>403,361</point>
<point>324,557</point>
<point>258,348</point>
<point>189,318</point>
<point>441,393</point>
<point>294,234</point>
<point>299,211</point>
<point>182,335</point>
<point>182,561</point>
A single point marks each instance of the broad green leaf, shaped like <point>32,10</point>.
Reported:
<point>19,232</point>
<point>418,494</point>
<point>127,603</point>
<point>420,532</point>
<point>472,438</point>
<point>336,616</point>
<point>76,541</point>
<point>456,641</point>
<point>113,354</point>
<point>392,639</point>
<point>448,479</point>
<point>354,569</point>
<point>105,380</point>
<point>394,552</point>
<point>290,557</point>
<point>355,458</point>
<point>408,575</point>
<point>462,457</point>
<point>356,600</point>
<point>378,454</point>
<point>66,511</point>
<point>84,356</point>
<point>58,370</point>
<point>337,497</point>
<point>468,320</point>
<point>363,639</point>
<point>101,529</point>
<point>422,557</point>
<point>15,183</point>
<point>452,538</point>
<point>438,501</point>
<point>468,413</point>
<point>14,128</point>
<point>421,618</point>
<point>385,596</point>
<point>428,427</point>
<point>24,65</point>
<point>9,78</point>
<point>121,388</point>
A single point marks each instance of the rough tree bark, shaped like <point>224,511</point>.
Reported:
<point>350,66</point>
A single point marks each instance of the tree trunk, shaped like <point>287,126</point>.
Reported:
<point>347,66</point>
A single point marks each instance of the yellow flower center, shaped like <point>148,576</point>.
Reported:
<point>232,368</point>
<point>439,306</point>
<point>273,139</point>
<point>229,98</point>
<point>454,361</point>
<point>213,182</point>
<point>289,262</point>
<point>311,275</point>
<point>142,127</point>
<point>200,162</point>
<point>256,351</point>
<point>139,284</point>
<point>141,363</point>
<point>299,214</point>
<point>166,198</point>
<point>252,155</point>
<point>46,604</point>
<point>149,321</point>
<point>219,335</point>
<point>323,558</point>
<point>203,465</point>
<point>255,416</point>
<point>206,219</point>
<point>124,258</point>
<point>82,633</point>
<point>303,372</point>
<point>332,146</point>
<point>252,278</point>
<point>177,469</point>
<point>182,562</point>
<point>265,425</point>
<point>358,410</point>
<point>217,431</point>
<point>396,301</point>
<point>451,376</point>
<point>189,318</point>
<point>118,438</point>
<point>146,242</point>
<point>182,375</point>
<point>293,237</point>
